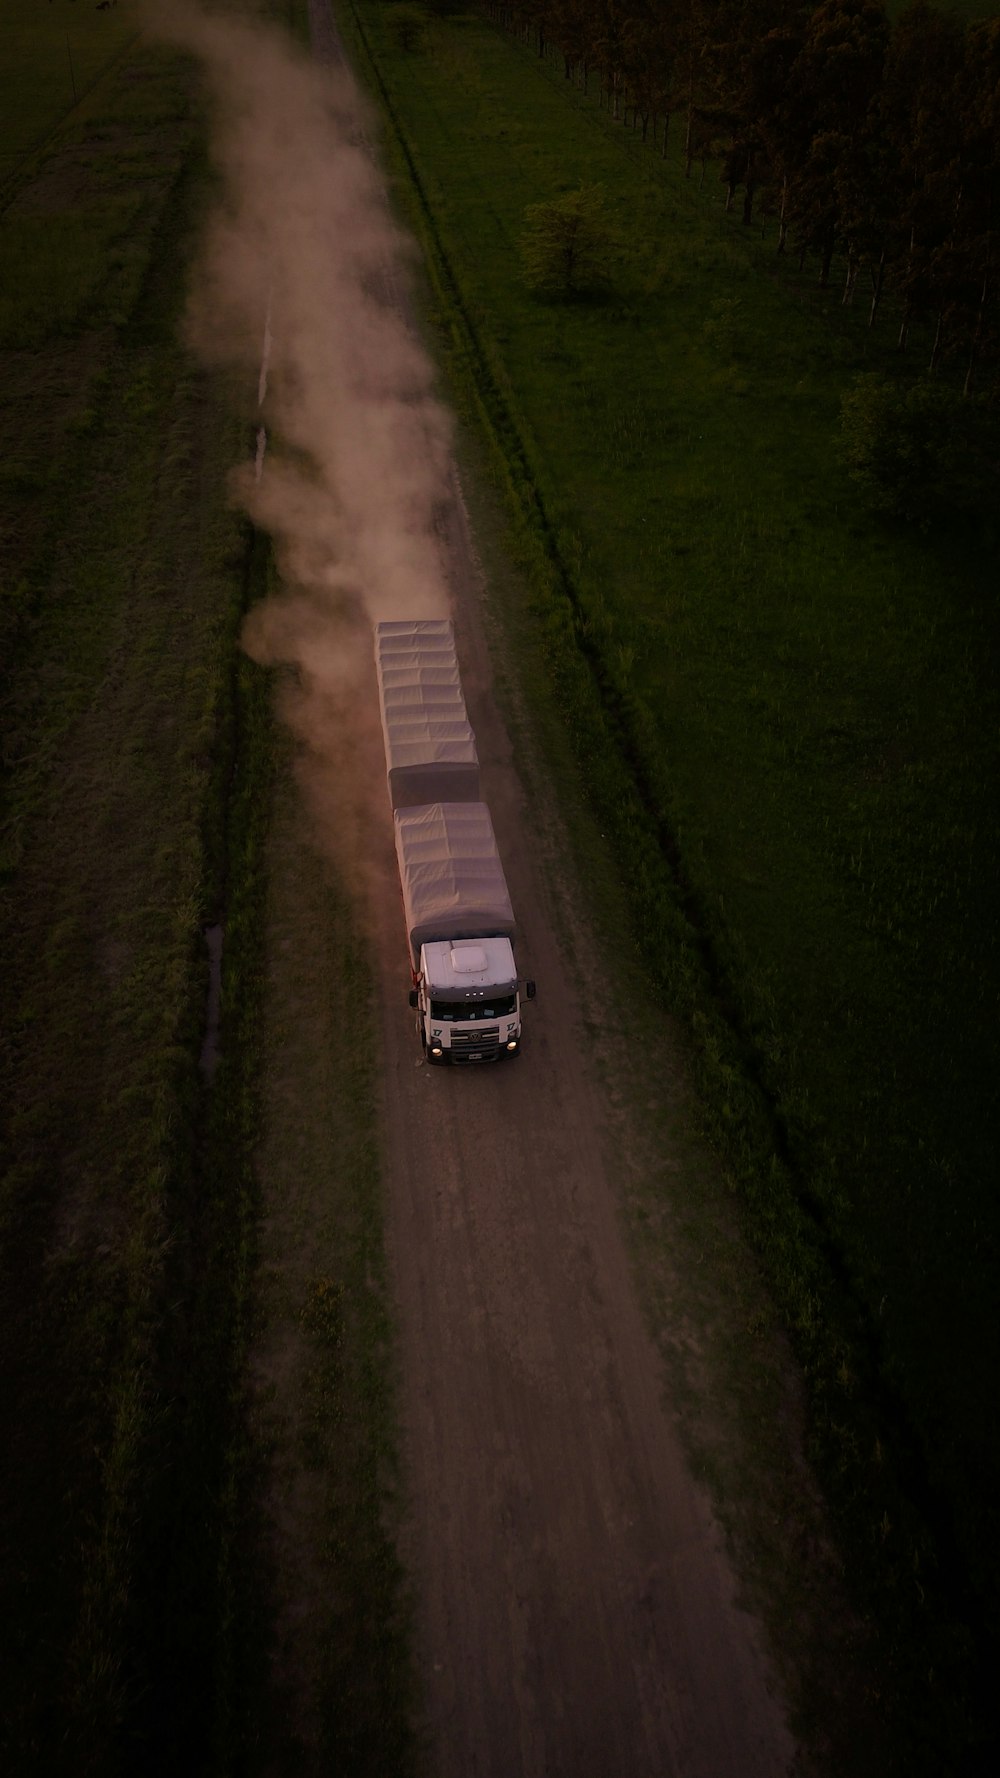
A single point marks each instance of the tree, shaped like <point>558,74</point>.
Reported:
<point>976,214</point>
<point>748,48</point>
<point>834,82</point>
<point>650,67</point>
<point>570,27</point>
<point>567,244</point>
<point>408,25</point>
<point>610,49</point>
<point>920,118</point>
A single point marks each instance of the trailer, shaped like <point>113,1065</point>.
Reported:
<point>430,749</point>
<point>459,919</point>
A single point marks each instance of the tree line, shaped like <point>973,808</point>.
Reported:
<point>868,143</point>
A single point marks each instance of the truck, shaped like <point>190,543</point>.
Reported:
<point>459,920</point>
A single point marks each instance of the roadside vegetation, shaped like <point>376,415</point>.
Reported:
<point>321,1401</point>
<point>120,601</point>
<point>140,776</point>
<point>784,707</point>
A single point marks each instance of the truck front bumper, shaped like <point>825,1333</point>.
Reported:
<point>468,1047</point>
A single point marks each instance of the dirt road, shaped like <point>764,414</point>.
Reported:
<point>576,1612</point>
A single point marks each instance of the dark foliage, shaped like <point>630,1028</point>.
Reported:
<point>872,141</point>
<point>922,453</point>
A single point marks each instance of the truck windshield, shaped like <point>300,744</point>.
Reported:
<point>450,1011</point>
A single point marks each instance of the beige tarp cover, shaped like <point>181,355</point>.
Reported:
<point>430,750</point>
<point>450,870</point>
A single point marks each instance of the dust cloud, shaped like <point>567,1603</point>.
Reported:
<point>297,289</point>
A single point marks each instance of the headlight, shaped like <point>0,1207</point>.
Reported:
<point>436,1049</point>
<point>512,1043</point>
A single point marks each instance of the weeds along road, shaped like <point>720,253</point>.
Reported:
<point>576,1613</point>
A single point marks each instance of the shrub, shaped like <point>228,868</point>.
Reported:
<point>567,247</point>
<point>921,453</point>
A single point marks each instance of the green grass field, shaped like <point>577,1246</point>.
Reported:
<point>119,609</point>
<point>807,700</point>
<point>53,55</point>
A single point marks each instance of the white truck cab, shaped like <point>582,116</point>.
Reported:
<point>468,1005</point>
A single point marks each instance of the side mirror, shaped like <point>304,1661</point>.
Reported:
<point>414,997</point>
<point>529,989</point>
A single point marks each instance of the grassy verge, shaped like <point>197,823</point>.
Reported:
<point>323,1394</point>
<point>770,701</point>
<point>269,1620</point>
<point>194,1637</point>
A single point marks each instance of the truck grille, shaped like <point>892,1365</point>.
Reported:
<point>476,1046</point>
